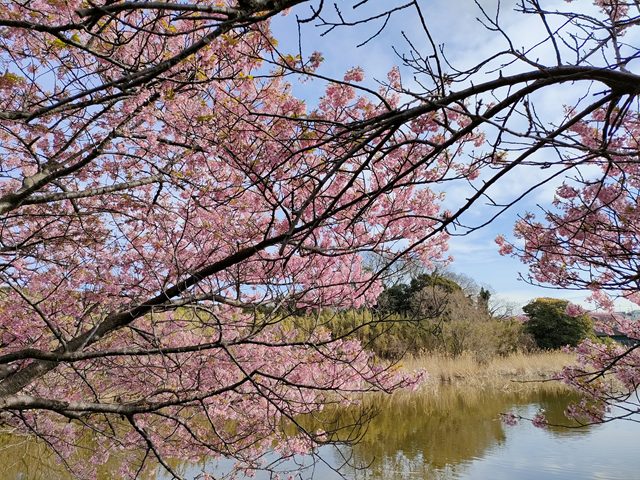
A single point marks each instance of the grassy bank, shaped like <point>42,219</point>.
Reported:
<point>512,372</point>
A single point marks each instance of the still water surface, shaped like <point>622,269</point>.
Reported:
<point>451,433</point>
<point>457,434</point>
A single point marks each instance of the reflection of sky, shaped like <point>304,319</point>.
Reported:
<point>607,451</point>
<point>453,24</point>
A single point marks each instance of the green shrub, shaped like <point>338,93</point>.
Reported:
<point>550,325</point>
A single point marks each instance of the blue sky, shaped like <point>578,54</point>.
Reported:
<point>454,24</point>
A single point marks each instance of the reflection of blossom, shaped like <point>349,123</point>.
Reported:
<point>510,419</point>
<point>540,420</point>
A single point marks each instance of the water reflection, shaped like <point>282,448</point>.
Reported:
<point>25,458</point>
<point>448,433</point>
<point>431,434</point>
<point>21,458</point>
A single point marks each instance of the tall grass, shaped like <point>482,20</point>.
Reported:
<point>512,372</point>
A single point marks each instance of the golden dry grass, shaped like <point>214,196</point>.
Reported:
<point>516,371</point>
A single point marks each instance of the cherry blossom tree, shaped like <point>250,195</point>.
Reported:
<point>587,239</point>
<point>169,207</point>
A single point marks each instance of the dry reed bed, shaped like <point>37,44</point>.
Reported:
<point>514,372</point>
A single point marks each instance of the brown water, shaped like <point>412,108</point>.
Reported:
<point>451,433</point>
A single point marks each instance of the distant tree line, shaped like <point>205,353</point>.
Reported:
<point>435,312</point>
<point>451,314</point>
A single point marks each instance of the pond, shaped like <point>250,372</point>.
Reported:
<point>456,433</point>
<point>450,433</point>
